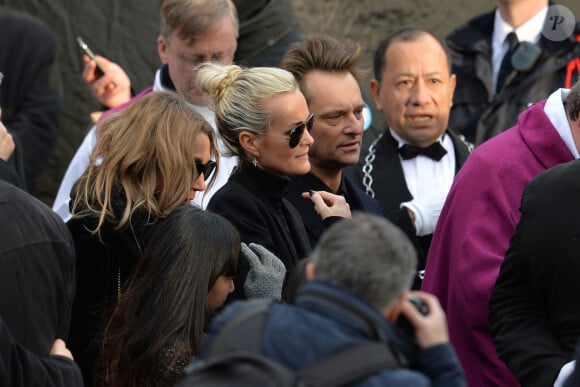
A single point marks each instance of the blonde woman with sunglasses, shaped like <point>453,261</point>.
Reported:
<point>263,119</point>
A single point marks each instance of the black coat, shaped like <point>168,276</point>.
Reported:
<point>315,226</point>
<point>30,105</point>
<point>534,313</point>
<point>253,200</point>
<point>37,271</point>
<point>390,188</point>
<point>103,267</point>
<point>22,368</point>
<point>8,173</point>
<point>478,112</point>
<point>574,379</point>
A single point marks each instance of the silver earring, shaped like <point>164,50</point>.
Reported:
<point>255,162</point>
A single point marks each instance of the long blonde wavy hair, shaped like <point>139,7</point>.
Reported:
<point>145,150</point>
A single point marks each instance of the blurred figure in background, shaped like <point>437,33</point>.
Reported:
<point>508,59</point>
<point>29,105</point>
<point>267,29</point>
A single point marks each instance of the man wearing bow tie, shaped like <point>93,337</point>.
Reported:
<point>410,167</point>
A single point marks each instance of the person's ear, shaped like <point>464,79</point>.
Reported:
<point>310,271</point>
<point>250,142</point>
<point>393,313</point>
<point>162,49</point>
<point>375,88</point>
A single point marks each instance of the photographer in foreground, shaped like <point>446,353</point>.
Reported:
<point>356,287</point>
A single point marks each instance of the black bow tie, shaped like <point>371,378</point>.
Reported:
<point>434,151</point>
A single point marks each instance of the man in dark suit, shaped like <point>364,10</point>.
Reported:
<point>533,310</point>
<point>409,169</point>
<point>326,71</point>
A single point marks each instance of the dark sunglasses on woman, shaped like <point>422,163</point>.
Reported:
<point>204,169</point>
<point>297,132</point>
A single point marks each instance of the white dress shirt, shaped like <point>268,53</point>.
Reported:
<point>530,31</point>
<point>429,182</point>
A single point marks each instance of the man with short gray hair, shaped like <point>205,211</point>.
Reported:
<point>358,281</point>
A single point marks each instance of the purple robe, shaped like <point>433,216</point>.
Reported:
<point>473,234</point>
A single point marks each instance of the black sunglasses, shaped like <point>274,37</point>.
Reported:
<point>204,169</point>
<point>297,131</point>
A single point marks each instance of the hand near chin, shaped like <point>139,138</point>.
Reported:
<point>328,204</point>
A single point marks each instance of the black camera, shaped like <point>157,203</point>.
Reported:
<point>403,324</point>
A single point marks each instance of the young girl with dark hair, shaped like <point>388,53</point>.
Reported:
<point>184,276</point>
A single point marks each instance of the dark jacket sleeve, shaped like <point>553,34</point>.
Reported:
<point>9,175</point>
<point>19,367</point>
<point>441,365</point>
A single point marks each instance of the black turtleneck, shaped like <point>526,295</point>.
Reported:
<point>253,200</point>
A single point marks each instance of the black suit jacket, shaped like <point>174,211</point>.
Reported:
<point>315,226</point>
<point>574,379</point>
<point>534,307</point>
<point>390,188</point>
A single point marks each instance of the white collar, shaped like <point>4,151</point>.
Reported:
<point>530,31</point>
<point>554,109</point>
